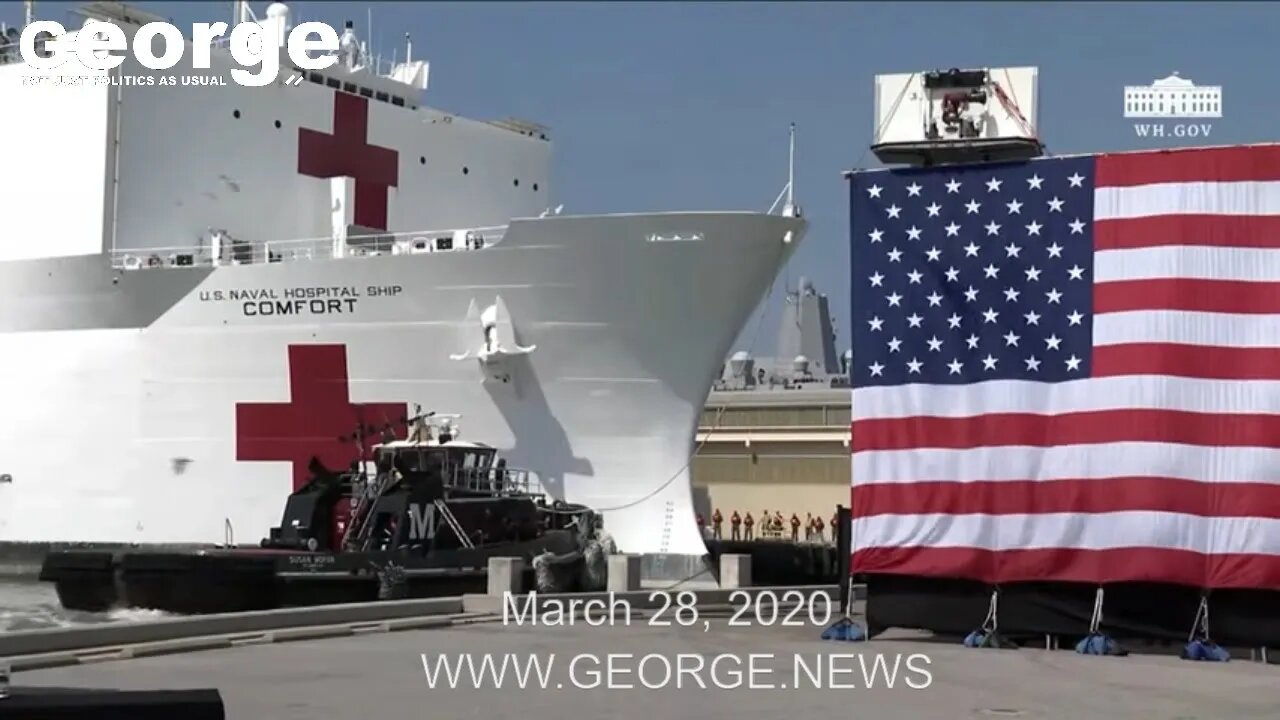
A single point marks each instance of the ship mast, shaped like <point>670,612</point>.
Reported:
<point>29,10</point>
<point>789,208</point>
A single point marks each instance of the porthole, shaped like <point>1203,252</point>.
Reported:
<point>277,124</point>
<point>235,114</point>
<point>465,170</point>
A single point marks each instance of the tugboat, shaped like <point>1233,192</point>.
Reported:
<point>423,523</point>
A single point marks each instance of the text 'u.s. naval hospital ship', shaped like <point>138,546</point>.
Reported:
<point>173,358</point>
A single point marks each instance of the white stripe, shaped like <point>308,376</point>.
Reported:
<point>1109,393</point>
<point>1013,463</point>
<point>1182,326</point>
<point>1188,261</point>
<point>1138,529</point>
<point>1190,198</point>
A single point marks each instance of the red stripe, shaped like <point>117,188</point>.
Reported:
<point>1084,496</point>
<point>1181,567</point>
<point>1215,296</point>
<point>1242,231</point>
<point>1195,361</point>
<point>1228,164</point>
<point>1080,428</point>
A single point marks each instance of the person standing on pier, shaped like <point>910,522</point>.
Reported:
<point>795,528</point>
<point>750,522</point>
<point>736,523</point>
<point>818,528</point>
<point>716,521</point>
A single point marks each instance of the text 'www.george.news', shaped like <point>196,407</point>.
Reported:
<point>624,671</point>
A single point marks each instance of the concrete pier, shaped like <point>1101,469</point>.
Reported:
<point>735,571</point>
<point>391,674</point>
<point>624,573</point>
<point>506,575</point>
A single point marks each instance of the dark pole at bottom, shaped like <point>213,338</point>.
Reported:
<point>844,546</point>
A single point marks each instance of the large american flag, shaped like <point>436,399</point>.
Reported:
<point>1069,369</point>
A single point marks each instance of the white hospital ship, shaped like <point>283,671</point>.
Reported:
<point>203,286</point>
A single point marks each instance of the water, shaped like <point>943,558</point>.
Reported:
<point>31,605</point>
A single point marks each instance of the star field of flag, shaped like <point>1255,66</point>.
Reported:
<point>973,273</point>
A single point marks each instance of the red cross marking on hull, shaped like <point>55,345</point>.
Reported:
<point>347,153</point>
<point>318,414</point>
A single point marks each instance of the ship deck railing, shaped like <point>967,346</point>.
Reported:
<point>365,61</point>
<point>507,481</point>
<point>232,251</point>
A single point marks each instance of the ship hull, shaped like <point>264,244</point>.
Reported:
<point>173,405</point>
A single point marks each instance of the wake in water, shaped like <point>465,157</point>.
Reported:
<point>30,605</point>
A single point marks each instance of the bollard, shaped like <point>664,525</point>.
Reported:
<point>735,571</point>
<point>624,573</point>
<point>506,575</point>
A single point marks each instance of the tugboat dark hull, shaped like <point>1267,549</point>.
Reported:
<point>424,525</point>
<point>221,581</point>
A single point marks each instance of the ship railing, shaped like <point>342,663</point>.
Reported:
<point>230,251</point>
<point>374,64</point>
<point>500,481</point>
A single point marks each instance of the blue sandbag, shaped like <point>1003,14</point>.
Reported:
<point>845,630</point>
<point>1100,644</point>
<point>1205,651</point>
<point>980,639</point>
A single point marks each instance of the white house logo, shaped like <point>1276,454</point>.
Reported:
<point>1173,103</point>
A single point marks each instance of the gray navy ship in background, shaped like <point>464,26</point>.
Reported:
<point>805,357</point>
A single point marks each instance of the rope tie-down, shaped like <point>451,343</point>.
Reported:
<point>988,636</point>
<point>1199,646</point>
<point>1098,642</point>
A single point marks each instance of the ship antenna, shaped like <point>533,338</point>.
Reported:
<point>791,172</point>
<point>29,12</point>
<point>789,209</point>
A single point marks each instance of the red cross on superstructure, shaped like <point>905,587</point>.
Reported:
<point>347,153</point>
<point>318,414</point>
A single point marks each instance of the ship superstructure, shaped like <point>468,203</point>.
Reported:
<point>805,352</point>
<point>207,285</point>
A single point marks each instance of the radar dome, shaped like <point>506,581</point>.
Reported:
<point>738,362</point>
<point>801,364</point>
<point>277,10</point>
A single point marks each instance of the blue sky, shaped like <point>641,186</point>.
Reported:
<point>681,106</point>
